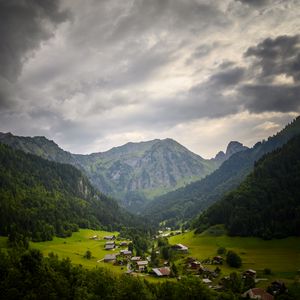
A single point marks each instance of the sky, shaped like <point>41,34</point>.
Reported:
<point>95,74</point>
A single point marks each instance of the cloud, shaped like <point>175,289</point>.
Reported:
<point>255,3</point>
<point>23,26</point>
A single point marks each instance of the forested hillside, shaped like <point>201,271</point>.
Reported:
<point>267,203</point>
<point>40,198</point>
<point>189,201</point>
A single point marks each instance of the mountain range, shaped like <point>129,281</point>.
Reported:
<point>187,202</point>
<point>134,172</point>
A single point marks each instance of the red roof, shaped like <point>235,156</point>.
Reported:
<point>253,293</point>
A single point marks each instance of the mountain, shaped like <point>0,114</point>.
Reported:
<point>187,202</point>
<point>232,148</point>
<point>267,203</point>
<point>134,172</point>
<point>40,198</point>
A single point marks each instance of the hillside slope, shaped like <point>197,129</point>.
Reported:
<point>41,198</point>
<point>188,202</point>
<point>134,172</point>
<point>267,203</point>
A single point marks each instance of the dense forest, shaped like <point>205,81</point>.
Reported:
<point>267,203</point>
<point>40,198</point>
<point>188,202</point>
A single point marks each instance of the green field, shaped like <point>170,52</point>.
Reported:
<point>281,256</point>
<point>75,247</point>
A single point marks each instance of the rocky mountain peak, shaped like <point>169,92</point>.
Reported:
<point>234,147</point>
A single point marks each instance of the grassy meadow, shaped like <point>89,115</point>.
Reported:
<point>281,256</point>
<point>75,247</point>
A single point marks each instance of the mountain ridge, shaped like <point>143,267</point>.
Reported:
<point>133,172</point>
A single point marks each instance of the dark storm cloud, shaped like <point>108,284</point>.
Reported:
<point>23,25</point>
<point>228,77</point>
<point>277,56</point>
<point>278,98</point>
<point>273,59</point>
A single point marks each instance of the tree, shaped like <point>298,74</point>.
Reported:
<point>88,254</point>
<point>233,259</point>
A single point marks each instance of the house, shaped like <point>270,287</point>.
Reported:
<point>141,265</point>
<point>277,288</point>
<point>195,264</point>
<point>180,247</point>
<point>257,293</point>
<point>109,247</point>
<point>135,258</point>
<point>123,244</point>
<point>94,237</point>
<point>110,237</point>
<point>110,258</point>
<point>206,281</point>
<point>160,272</point>
<point>218,260</point>
<point>249,273</point>
<point>126,252</point>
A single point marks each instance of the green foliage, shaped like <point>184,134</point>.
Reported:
<point>27,275</point>
<point>233,259</point>
<point>189,201</point>
<point>221,250</point>
<point>267,203</point>
<point>40,198</point>
<point>88,254</point>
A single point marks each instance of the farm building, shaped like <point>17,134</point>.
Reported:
<point>126,252</point>
<point>110,258</point>
<point>180,247</point>
<point>110,237</point>
<point>135,258</point>
<point>141,265</point>
<point>250,273</point>
<point>257,293</point>
<point>109,247</point>
<point>165,271</point>
<point>123,244</point>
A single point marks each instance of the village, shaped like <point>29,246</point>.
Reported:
<point>174,261</point>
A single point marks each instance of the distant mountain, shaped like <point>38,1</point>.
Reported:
<point>232,148</point>
<point>133,172</point>
<point>40,198</point>
<point>137,171</point>
<point>267,203</point>
<point>187,202</point>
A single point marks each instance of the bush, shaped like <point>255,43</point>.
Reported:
<point>233,260</point>
<point>222,250</point>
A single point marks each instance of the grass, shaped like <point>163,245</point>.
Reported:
<point>75,247</point>
<point>281,256</point>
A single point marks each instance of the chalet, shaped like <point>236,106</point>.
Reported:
<point>277,288</point>
<point>257,293</point>
<point>123,244</point>
<point>109,247</point>
<point>218,260</point>
<point>249,273</point>
<point>195,264</point>
<point>160,272</point>
<point>135,258</point>
<point>110,258</point>
<point>206,281</point>
<point>110,237</point>
<point>126,252</point>
<point>141,265</point>
<point>180,247</point>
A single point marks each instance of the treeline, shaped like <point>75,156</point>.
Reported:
<point>40,198</point>
<point>28,275</point>
<point>267,203</point>
<point>187,202</point>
